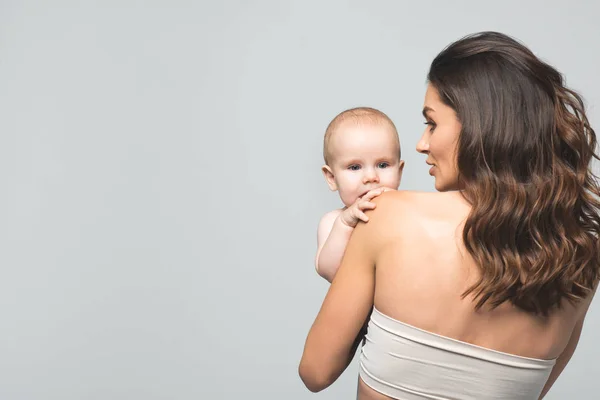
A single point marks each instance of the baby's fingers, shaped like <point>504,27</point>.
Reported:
<point>372,193</point>
<point>366,205</point>
<point>361,216</point>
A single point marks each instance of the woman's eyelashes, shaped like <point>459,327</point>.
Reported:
<point>431,124</point>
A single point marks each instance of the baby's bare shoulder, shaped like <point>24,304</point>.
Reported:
<point>331,215</point>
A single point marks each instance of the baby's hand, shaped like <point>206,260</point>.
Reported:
<point>351,215</point>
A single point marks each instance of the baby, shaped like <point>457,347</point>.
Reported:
<point>362,160</point>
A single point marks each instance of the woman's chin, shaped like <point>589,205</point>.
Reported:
<point>438,185</point>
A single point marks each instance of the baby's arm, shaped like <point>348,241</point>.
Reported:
<point>332,238</point>
<point>334,233</point>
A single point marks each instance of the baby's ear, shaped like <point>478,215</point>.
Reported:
<point>329,177</point>
<point>401,167</point>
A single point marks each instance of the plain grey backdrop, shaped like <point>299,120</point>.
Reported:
<point>161,186</point>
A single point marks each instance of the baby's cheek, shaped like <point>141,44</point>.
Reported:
<point>393,175</point>
<point>347,198</point>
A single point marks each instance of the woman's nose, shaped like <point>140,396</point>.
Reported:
<point>423,145</point>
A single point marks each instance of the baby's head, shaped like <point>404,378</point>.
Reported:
<point>362,152</point>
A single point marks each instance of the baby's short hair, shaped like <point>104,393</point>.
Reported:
<point>356,115</point>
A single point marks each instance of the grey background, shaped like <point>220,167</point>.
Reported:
<point>159,168</point>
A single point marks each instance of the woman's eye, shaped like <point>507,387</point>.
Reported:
<point>431,124</point>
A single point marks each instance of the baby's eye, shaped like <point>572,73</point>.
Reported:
<point>383,165</point>
<point>354,167</point>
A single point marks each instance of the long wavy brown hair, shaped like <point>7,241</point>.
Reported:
<point>524,160</point>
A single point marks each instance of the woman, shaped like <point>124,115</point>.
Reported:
<point>480,291</point>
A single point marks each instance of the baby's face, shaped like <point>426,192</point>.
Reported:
<point>364,157</point>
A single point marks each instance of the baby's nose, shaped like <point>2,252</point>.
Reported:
<point>371,177</point>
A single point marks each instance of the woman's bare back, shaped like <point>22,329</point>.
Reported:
<point>423,268</point>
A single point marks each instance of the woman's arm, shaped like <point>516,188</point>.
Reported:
<point>335,333</point>
<point>564,358</point>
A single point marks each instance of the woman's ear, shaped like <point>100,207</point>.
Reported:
<point>329,177</point>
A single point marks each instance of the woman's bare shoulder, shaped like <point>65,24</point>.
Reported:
<point>393,205</point>
<point>410,204</point>
<point>418,198</point>
<point>404,195</point>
